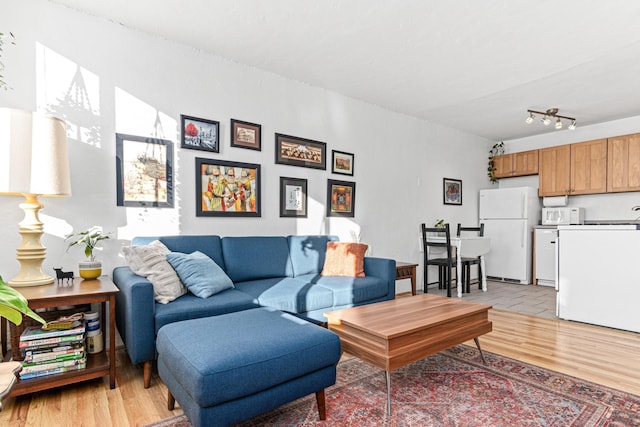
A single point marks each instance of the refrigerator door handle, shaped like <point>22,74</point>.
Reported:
<point>523,236</point>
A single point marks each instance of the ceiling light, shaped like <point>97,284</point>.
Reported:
<point>558,124</point>
<point>529,119</point>
<point>548,115</point>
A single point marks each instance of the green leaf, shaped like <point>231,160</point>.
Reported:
<point>13,305</point>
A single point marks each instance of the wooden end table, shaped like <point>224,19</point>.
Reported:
<point>405,270</point>
<point>395,333</point>
<point>101,290</point>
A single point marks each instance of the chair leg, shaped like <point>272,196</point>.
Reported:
<point>448,279</point>
<point>468,278</point>
<point>425,277</point>
<point>479,276</point>
<point>322,408</point>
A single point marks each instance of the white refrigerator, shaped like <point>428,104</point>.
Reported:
<point>509,216</point>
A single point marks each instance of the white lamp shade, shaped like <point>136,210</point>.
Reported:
<point>33,154</point>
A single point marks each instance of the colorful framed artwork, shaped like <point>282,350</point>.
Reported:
<point>144,171</point>
<point>294,151</point>
<point>246,135</point>
<point>293,197</point>
<point>341,162</point>
<point>451,191</point>
<point>341,198</point>
<point>227,189</point>
<point>200,134</point>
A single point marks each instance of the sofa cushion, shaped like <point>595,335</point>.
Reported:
<point>344,259</point>
<point>349,290</point>
<point>199,273</point>
<point>308,252</point>
<point>150,261</point>
<point>287,294</point>
<point>252,258</point>
<point>209,245</point>
<point>190,306</point>
<point>273,348</point>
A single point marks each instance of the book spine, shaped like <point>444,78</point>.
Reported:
<point>47,341</point>
<point>53,365</point>
<point>26,376</point>
<point>39,359</point>
<point>52,348</point>
<point>36,334</point>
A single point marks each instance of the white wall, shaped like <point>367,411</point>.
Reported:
<point>597,206</point>
<point>132,78</point>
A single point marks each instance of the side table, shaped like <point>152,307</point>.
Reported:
<point>405,270</point>
<point>101,290</point>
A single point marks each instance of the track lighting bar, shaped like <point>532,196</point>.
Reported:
<point>546,118</point>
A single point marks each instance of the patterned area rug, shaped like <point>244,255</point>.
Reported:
<point>454,388</point>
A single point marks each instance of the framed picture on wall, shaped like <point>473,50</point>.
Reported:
<point>293,197</point>
<point>227,189</point>
<point>144,171</point>
<point>200,134</point>
<point>246,135</point>
<point>341,162</point>
<point>294,151</point>
<point>451,191</point>
<point>341,198</point>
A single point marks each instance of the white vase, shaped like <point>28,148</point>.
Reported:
<point>90,269</point>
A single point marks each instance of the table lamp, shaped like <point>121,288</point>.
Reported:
<point>33,163</point>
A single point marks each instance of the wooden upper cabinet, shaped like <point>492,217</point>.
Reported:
<point>554,173</point>
<point>589,167</point>
<point>516,164</point>
<point>623,158</point>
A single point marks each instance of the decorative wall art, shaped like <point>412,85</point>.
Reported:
<point>341,162</point>
<point>246,135</point>
<point>341,198</point>
<point>144,171</point>
<point>294,151</point>
<point>451,191</point>
<point>200,134</point>
<point>227,188</point>
<point>293,197</point>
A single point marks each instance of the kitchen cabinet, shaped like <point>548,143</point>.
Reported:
<point>516,164</point>
<point>573,169</point>
<point>623,160</point>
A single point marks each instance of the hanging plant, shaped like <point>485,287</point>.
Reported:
<point>496,150</point>
<point>4,38</point>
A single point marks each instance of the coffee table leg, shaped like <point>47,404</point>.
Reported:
<point>388,377</point>
<point>484,362</point>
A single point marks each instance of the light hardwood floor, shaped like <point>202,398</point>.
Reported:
<point>602,355</point>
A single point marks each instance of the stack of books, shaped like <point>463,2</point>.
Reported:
<point>48,352</point>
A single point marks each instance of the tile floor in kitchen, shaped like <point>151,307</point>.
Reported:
<point>530,299</point>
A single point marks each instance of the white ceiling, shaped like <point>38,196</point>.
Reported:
<point>475,65</point>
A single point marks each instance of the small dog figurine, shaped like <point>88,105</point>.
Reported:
<point>61,275</point>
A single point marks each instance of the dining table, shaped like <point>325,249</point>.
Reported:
<point>467,247</point>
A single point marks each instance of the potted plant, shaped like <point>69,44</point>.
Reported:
<point>90,268</point>
<point>496,150</point>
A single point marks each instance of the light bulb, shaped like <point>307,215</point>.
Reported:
<point>546,120</point>
<point>529,119</point>
<point>558,124</point>
<point>572,126</point>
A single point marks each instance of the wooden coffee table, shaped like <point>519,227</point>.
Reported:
<point>392,334</point>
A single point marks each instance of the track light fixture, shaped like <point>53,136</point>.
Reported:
<point>546,118</point>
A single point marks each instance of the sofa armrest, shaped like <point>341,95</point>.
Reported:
<point>135,314</point>
<point>383,268</point>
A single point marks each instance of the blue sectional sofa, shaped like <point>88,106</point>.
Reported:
<point>267,271</point>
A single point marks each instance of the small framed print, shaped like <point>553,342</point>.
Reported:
<point>451,191</point>
<point>144,171</point>
<point>341,162</point>
<point>246,135</point>
<point>294,151</point>
<point>200,134</point>
<point>293,197</point>
<point>341,198</point>
<point>227,189</point>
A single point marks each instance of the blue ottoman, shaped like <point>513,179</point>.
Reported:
<point>228,368</point>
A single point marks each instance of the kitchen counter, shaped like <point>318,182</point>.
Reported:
<point>606,227</point>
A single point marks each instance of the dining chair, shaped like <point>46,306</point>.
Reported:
<point>441,247</point>
<point>468,262</point>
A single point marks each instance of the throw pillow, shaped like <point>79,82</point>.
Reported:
<point>150,261</point>
<point>200,274</point>
<point>344,259</point>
